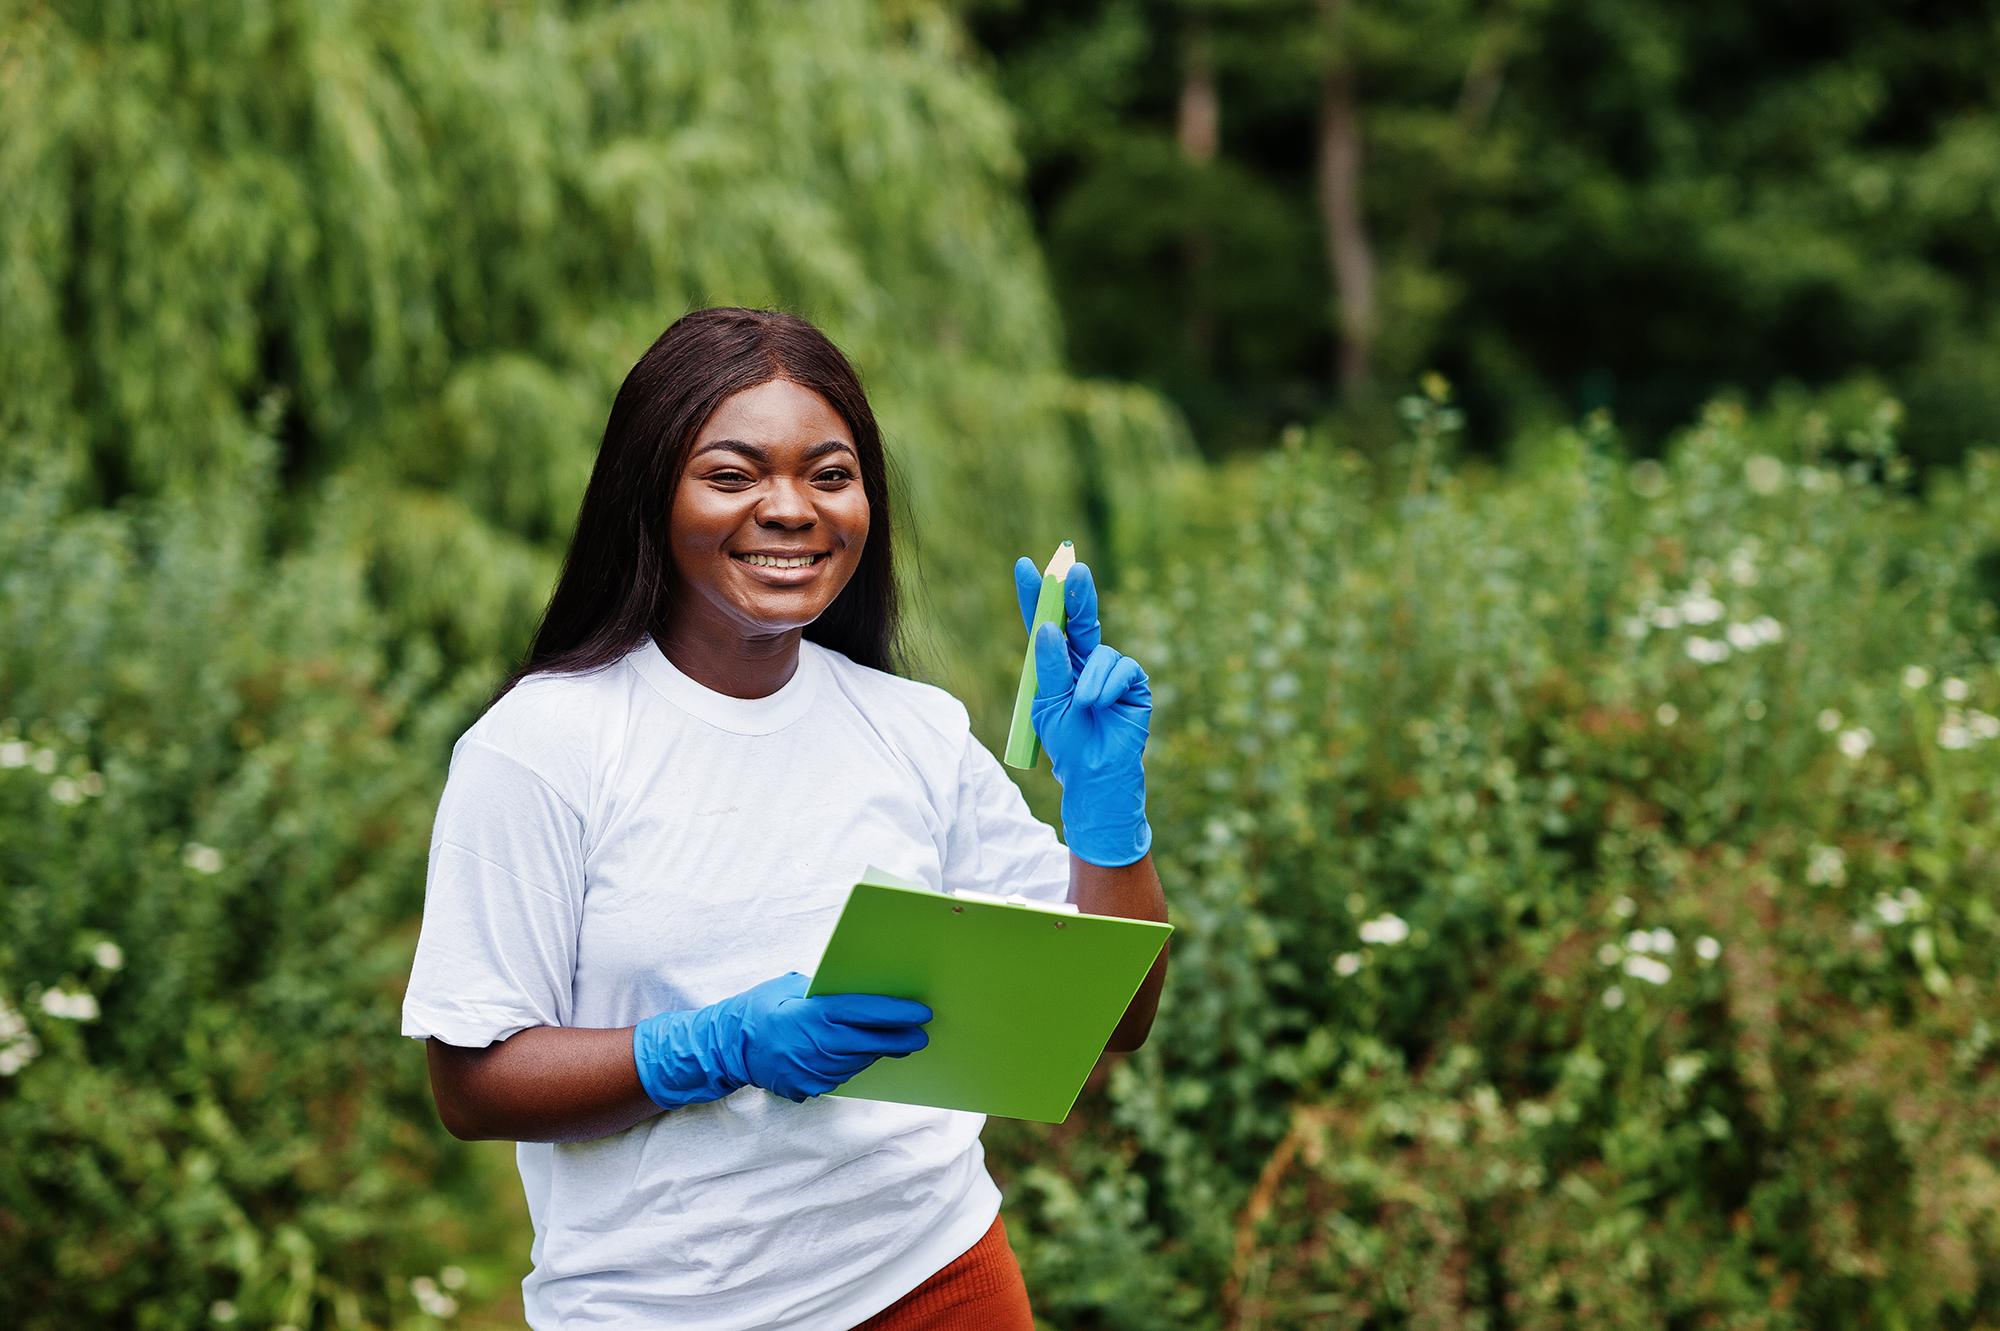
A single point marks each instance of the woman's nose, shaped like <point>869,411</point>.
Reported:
<point>785,501</point>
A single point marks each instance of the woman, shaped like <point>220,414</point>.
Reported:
<point>649,834</point>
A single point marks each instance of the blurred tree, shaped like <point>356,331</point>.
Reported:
<point>420,244</point>
<point>1563,204</point>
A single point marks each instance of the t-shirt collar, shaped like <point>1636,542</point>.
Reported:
<point>743,716</point>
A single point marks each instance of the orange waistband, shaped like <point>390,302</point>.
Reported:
<point>981,1290</point>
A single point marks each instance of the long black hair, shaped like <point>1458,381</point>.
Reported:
<point>616,585</point>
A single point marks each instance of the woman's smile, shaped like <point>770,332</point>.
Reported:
<point>784,571</point>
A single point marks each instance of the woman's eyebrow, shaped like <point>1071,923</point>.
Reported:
<point>763,455</point>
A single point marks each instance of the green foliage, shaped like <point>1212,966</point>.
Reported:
<point>214,800</point>
<point>419,245</point>
<point>1585,885</point>
<point>1570,204</point>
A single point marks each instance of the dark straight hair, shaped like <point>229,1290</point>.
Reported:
<point>616,585</point>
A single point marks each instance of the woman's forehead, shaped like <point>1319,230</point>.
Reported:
<point>776,414</point>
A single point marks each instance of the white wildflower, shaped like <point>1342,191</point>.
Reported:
<point>1706,651</point>
<point>18,1045</point>
<point>79,1006</point>
<point>1707,948</point>
<point>452,1277</point>
<point>1955,690</point>
<point>1983,725</point>
<point>1666,617</point>
<point>1856,742</point>
<point>430,1299</point>
<point>1767,629</point>
<point>1742,637</point>
<point>1763,473</point>
<point>1954,733</point>
<point>13,754</point>
<point>1609,954</point>
<point>44,761</point>
<point>1623,908</point>
<point>65,791</point>
<point>222,1310</point>
<point>1742,569</point>
<point>108,955</point>
<point>1891,911</point>
<point>1347,963</point>
<point>1384,928</point>
<point>1636,626</point>
<point>1829,720</point>
<point>1698,607</point>
<point>1663,941</point>
<point>1666,713</point>
<point>1910,897</point>
<point>1684,1068</point>
<point>200,858</point>
<point>1639,940</point>
<point>1614,998</point>
<point>1649,969</point>
<point>1826,866</point>
<point>1915,677</point>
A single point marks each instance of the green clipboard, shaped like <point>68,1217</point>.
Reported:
<point>1023,997</point>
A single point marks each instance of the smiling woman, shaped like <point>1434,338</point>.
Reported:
<point>647,837</point>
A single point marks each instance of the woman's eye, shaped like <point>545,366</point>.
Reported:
<point>841,473</point>
<point>727,476</point>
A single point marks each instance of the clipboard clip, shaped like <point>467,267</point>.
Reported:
<point>1015,899</point>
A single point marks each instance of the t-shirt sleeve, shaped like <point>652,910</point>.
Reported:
<point>995,843</point>
<point>503,902</point>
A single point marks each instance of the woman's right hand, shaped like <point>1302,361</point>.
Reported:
<point>772,1035</point>
<point>798,1047</point>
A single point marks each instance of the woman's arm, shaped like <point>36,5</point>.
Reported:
<point>560,1084</point>
<point>1133,892</point>
<point>544,1084</point>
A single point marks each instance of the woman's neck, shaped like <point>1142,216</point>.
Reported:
<point>738,667</point>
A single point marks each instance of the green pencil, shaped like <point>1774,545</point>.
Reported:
<point>1023,745</point>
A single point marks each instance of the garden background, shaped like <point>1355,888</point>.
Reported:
<point>1541,451</point>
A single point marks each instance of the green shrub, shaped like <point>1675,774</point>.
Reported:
<point>1585,887</point>
<point>214,803</point>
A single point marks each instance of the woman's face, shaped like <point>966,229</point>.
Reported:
<point>773,472</point>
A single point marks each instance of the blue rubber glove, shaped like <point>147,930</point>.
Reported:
<point>775,1037</point>
<point>1092,711</point>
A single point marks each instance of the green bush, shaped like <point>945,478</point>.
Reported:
<point>1585,883</point>
<point>214,802</point>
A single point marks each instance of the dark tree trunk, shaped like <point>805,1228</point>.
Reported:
<point>1339,187</point>
<point>1198,130</point>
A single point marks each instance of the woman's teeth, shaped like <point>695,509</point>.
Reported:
<point>766,561</point>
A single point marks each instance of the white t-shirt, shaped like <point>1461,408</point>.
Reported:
<point>625,842</point>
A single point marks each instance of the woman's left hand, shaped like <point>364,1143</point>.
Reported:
<point>1093,710</point>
